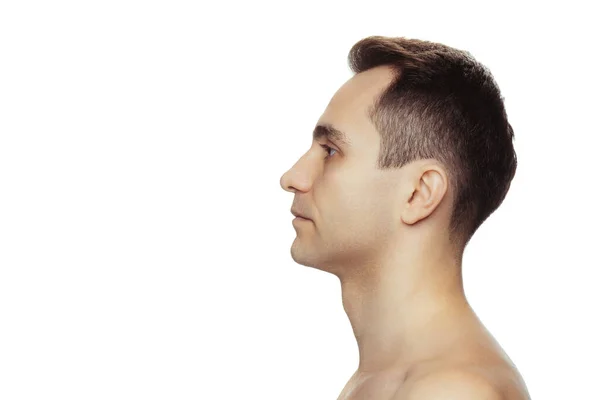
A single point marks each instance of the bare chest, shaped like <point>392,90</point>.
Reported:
<point>372,389</point>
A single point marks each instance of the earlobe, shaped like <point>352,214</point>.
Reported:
<point>408,215</point>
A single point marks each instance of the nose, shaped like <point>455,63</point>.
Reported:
<point>298,177</point>
<point>286,181</point>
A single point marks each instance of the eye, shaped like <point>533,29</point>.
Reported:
<point>327,148</point>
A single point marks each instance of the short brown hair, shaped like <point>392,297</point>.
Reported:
<point>445,105</point>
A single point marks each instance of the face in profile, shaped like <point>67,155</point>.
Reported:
<point>351,204</point>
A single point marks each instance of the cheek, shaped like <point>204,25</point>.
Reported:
<point>355,204</point>
<point>352,196</point>
<point>376,205</point>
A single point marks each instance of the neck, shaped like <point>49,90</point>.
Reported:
<point>405,309</point>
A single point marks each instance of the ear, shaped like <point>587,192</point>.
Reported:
<point>428,190</point>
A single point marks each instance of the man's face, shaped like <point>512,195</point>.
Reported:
<point>352,205</point>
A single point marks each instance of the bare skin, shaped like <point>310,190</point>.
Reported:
<point>384,235</point>
<point>477,356</point>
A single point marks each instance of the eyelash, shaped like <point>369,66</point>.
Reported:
<point>327,148</point>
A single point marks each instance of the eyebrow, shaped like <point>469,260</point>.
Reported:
<point>331,133</point>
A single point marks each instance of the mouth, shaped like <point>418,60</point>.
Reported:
<point>299,218</point>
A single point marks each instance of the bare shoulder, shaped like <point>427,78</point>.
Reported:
<point>451,384</point>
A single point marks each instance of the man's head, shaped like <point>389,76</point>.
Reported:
<point>429,156</point>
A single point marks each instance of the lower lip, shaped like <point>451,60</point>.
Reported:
<point>300,219</point>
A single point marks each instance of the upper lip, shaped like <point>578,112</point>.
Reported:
<point>297,214</point>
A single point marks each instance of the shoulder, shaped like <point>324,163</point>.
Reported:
<point>452,384</point>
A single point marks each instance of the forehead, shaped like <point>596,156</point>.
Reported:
<point>347,109</point>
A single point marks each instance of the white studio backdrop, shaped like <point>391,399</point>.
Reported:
<point>145,239</point>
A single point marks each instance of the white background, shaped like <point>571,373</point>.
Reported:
<point>145,239</point>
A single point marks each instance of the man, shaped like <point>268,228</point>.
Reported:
<point>409,158</point>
